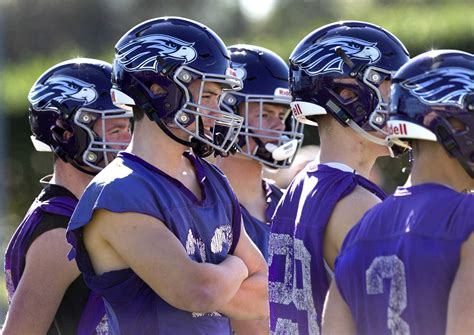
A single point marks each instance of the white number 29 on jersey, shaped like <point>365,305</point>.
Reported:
<point>390,267</point>
<point>288,292</point>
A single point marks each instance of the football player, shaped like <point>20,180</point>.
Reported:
<point>339,80</point>
<point>407,266</point>
<point>72,115</point>
<point>264,103</point>
<point>158,233</point>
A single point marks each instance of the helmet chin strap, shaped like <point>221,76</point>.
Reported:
<point>80,168</point>
<point>368,136</point>
<point>64,156</point>
<point>199,148</point>
<point>271,152</point>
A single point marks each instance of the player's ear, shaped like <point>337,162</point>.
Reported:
<point>346,94</point>
<point>157,89</point>
<point>457,125</point>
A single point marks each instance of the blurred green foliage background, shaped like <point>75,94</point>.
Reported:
<point>35,35</point>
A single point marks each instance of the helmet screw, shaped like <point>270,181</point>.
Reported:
<point>86,118</point>
<point>470,107</point>
<point>183,118</point>
<point>379,119</point>
<point>360,110</point>
<point>167,105</point>
<point>186,76</point>
<point>91,157</point>
<point>375,77</point>
<point>230,100</point>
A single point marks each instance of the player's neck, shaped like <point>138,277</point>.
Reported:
<point>245,176</point>
<point>69,177</point>
<point>447,171</point>
<point>343,145</point>
<point>151,144</point>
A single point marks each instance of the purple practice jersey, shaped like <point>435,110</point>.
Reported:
<point>397,265</point>
<point>208,229</point>
<point>81,311</point>
<point>298,279</point>
<point>257,230</point>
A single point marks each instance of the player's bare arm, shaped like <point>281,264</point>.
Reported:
<point>41,289</point>
<point>461,297</point>
<point>251,301</point>
<point>143,243</point>
<point>346,214</point>
<point>337,318</point>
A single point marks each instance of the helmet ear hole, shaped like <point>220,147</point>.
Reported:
<point>457,125</point>
<point>61,135</point>
<point>156,89</point>
<point>346,95</point>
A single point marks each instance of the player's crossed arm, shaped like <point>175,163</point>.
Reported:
<point>251,300</point>
<point>144,244</point>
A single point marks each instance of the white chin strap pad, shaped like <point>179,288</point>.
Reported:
<point>121,100</point>
<point>301,110</point>
<point>282,152</point>
<point>40,146</point>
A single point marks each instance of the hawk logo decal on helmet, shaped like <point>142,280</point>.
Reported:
<point>61,88</point>
<point>322,58</point>
<point>141,53</point>
<point>442,86</point>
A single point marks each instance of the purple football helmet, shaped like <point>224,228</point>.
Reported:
<point>173,52</point>
<point>350,55</point>
<point>265,78</point>
<point>73,96</point>
<point>429,93</point>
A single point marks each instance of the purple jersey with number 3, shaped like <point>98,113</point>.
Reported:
<point>397,265</point>
<point>298,280</point>
<point>208,230</point>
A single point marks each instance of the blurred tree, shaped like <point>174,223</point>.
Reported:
<point>92,27</point>
<point>33,29</point>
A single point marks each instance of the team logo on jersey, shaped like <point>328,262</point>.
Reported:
<point>62,88</point>
<point>240,71</point>
<point>442,86</point>
<point>142,53</point>
<point>322,58</point>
